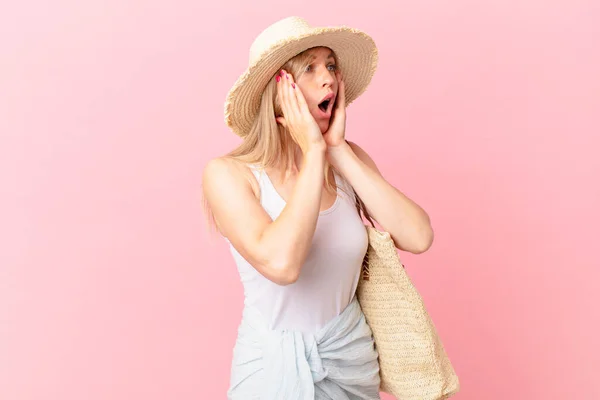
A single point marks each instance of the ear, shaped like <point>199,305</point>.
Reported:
<point>281,121</point>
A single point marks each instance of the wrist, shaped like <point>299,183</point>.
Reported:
<point>336,153</point>
<point>317,149</point>
<point>316,154</point>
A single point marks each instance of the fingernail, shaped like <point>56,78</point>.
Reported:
<point>282,73</point>
<point>278,78</point>
<point>294,85</point>
<point>286,76</point>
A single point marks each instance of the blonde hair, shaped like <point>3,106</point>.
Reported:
<point>268,144</point>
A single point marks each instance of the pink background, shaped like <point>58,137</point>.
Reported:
<point>486,113</point>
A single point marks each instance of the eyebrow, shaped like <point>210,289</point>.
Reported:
<point>328,57</point>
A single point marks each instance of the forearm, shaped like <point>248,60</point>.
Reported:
<point>289,237</point>
<point>408,224</point>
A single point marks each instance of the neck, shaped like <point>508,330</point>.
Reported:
<point>296,165</point>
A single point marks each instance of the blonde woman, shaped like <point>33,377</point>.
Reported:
<point>284,200</point>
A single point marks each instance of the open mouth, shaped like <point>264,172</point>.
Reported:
<point>325,105</point>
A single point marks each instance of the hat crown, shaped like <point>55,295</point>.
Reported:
<point>355,51</point>
<point>280,30</point>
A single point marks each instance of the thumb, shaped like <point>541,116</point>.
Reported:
<point>341,98</point>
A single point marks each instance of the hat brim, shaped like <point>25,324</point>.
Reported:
<point>357,58</point>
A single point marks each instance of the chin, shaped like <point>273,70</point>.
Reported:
<point>324,126</point>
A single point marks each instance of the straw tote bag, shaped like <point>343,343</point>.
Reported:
<point>412,360</point>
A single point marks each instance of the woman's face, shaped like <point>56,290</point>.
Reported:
<point>319,82</point>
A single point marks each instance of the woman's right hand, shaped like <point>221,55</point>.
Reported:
<point>297,118</point>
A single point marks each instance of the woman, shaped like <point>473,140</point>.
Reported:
<point>284,200</point>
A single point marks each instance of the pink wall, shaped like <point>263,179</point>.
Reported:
<point>486,113</point>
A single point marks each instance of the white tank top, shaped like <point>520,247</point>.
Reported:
<point>329,275</point>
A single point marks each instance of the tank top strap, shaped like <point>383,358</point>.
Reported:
<point>254,168</point>
<point>267,188</point>
<point>258,173</point>
<point>344,185</point>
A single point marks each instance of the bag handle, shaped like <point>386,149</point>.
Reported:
<point>361,208</point>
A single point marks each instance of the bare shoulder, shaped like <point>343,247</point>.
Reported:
<point>363,156</point>
<point>221,173</point>
<point>233,202</point>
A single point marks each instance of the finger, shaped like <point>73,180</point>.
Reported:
<point>341,98</point>
<point>292,89</point>
<point>283,94</point>
<point>301,101</point>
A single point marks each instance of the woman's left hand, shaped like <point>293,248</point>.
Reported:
<point>334,136</point>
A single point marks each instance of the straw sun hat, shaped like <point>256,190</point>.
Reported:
<point>355,50</point>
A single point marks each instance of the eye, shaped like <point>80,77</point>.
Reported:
<point>332,67</point>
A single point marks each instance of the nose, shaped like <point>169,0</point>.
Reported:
<point>325,77</point>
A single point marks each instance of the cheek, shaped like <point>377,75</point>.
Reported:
<point>310,102</point>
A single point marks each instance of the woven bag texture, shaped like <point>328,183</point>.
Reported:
<point>412,359</point>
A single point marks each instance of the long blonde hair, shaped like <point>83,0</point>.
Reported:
<point>268,144</point>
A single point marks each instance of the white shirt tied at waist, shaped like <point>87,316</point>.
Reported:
<point>337,362</point>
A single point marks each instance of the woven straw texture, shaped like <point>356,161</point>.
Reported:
<point>356,52</point>
<point>412,359</point>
